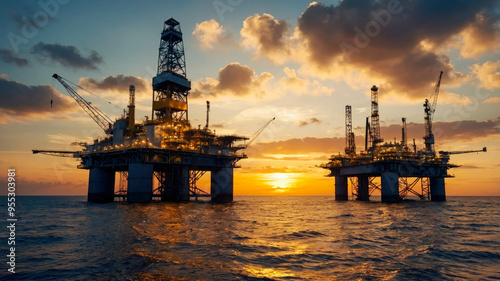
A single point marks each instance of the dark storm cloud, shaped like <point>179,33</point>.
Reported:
<point>8,56</point>
<point>384,37</point>
<point>23,100</point>
<point>68,56</point>
<point>118,83</point>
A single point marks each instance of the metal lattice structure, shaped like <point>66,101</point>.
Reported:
<point>350,146</point>
<point>429,108</point>
<point>170,85</point>
<point>375,123</point>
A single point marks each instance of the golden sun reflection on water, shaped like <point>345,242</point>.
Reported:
<point>280,182</point>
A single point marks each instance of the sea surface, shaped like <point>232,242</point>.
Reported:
<point>255,238</point>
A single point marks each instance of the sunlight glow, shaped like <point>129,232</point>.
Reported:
<point>280,181</point>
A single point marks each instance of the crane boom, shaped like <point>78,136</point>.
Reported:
<point>59,153</point>
<point>461,152</point>
<point>97,115</point>
<point>259,131</point>
<point>429,108</point>
<point>434,96</point>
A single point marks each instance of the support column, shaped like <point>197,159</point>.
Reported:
<point>140,183</point>
<point>221,188</point>
<point>390,187</point>
<point>438,192</point>
<point>101,185</point>
<point>184,184</point>
<point>363,191</point>
<point>341,188</point>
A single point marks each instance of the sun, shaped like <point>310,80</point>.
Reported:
<point>280,182</point>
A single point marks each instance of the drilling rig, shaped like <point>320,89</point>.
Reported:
<point>402,172</point>
<point>163,157</point>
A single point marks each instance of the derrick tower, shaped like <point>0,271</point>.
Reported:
<point>170,85</point>
<point>350,146</point>
<point>375,125</point>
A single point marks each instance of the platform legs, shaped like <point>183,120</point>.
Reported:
<point>184,184</point>
<point>221,188</point>
<point>140,183</point>
<point>390,187</point>
<point>438,192</point>
<point>101,185</point>
<point>363,191</point>
<point>341,188</point>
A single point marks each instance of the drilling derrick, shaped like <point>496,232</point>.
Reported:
<point>404,134</point>
<point>391,167</point>
<point>131,110</point>
<point>161,158</point>
<point>375,124</point>
<point>170,85</point>
<point>350,146</point>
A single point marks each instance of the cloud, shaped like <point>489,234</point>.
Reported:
<point>464,130</point>
<point>488,74</point>
<point>311,121</point>
<point>30,187</point>
<point>480,36</point>
<point>117,83</point>
<point>302,86</point>
<point>398,47</point>
<point>8,56</point>
<point>22,101</point>
<point>492,100</point>
<point>68,56</point>
<point>444,131</point>
<point>234,79</point>
<point>296,146</point>
<point>210,33</point>
<point>267,36</point>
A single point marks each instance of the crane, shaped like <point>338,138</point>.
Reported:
<point>445,155</point>
<point>59,153</point>
<point>259,131</point>
<point>461,152</point>
<point>97,115</point>
<point>429,108</point>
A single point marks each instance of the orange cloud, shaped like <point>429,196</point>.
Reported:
<point>377,41</point>
<point>116,83</point>
<point>488,74</point>
<point>480,36</point>
<point>235,80</point>
<point>267,36</point>
<point>492,100</point>
<point>210,33</point>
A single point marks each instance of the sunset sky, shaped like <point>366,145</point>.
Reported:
<point>298,61</point>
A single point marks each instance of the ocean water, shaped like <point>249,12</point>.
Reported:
<point>256,238</point>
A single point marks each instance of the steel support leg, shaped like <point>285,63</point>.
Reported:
<point>221,189</point>
<point>341,188</point>
<point>140,183</point>
<point>101,185</point>
<point>363,191</point>
<point>438,192</point>
<point>184,184</point>
<point>390,187</point>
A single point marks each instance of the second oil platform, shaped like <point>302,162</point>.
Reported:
<point>393,168</point>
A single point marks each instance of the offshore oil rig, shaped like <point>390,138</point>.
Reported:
<point>163,157</point>
<point>403,171</point>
